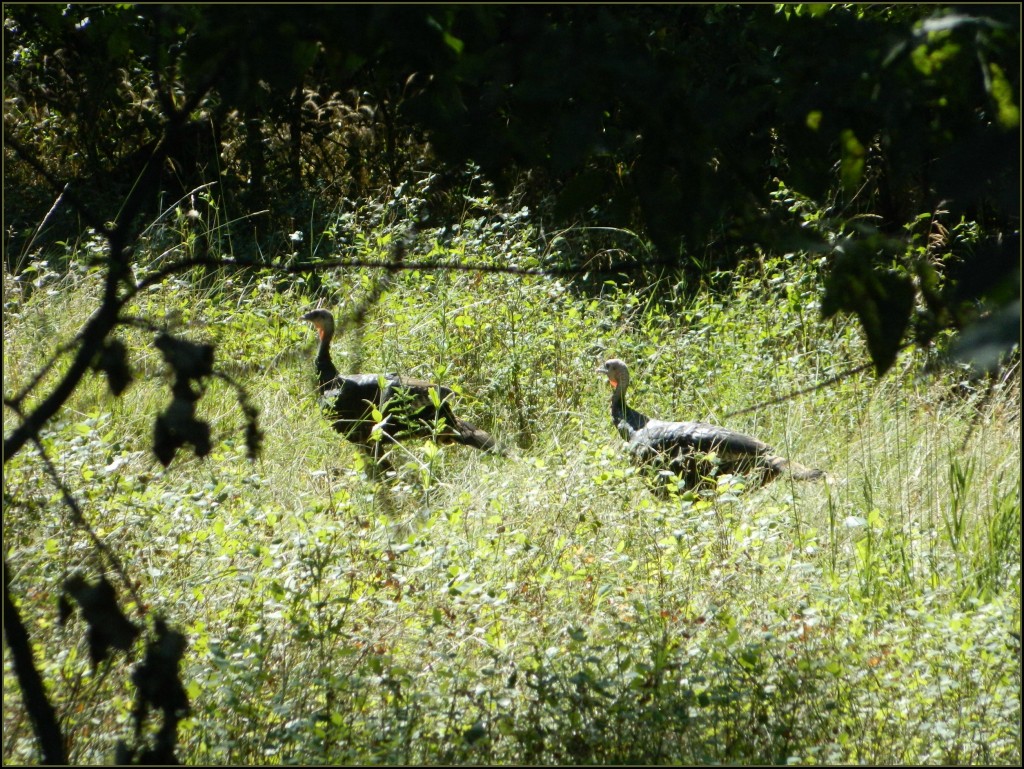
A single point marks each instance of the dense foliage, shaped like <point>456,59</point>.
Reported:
<point>702,128</point>
<point>498,197</point>
<point>542,607</point>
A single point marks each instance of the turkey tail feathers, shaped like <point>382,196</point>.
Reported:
<point>470,435</point>
<point>799,472</point>
<point>802,473</point>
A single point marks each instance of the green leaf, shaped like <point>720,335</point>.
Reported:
<point>1002,91</point>
<point>882,300</point>
<point>454,43</point>
<point>986,342</point>
<point>435,397</point>
<point>851,167</point>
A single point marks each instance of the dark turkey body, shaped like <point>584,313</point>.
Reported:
<point>682,447</point>
<point>405,405</point>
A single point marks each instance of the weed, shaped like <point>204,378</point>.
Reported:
<point>543,607</point>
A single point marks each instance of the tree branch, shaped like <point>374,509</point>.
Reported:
<point>79,519</point>
<point>428,266</point>
<point>40,711</point>
<point>813,388</point>
<point>64,188</point>
<point>92,336</point>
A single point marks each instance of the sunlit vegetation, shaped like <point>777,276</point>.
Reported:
<point>543,607</point>
<point>799,221</point>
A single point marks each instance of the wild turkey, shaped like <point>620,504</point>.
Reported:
<point>407,406</point>
<point>683,447</point>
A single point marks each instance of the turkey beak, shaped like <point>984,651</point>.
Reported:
<point>316,326</point>
<point>602,369</point>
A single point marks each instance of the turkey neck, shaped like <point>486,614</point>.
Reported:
<point>325,368</point>
<point>623,414</point>
<point>619,408</point>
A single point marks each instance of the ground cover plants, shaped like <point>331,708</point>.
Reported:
<point>543,607</point>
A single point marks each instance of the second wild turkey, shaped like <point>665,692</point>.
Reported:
<point>409,407</point>
<point>692,450</point>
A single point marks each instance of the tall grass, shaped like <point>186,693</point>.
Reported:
<point>543,607</point>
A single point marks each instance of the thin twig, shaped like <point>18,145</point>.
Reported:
<point>79,518</point>
<point>15,401</point>
<point>45,220</point>
<point>94,222</point>
<point>820,386</point>
<point>393,266</point>
<point>173,205</point>
<point>983,405</point>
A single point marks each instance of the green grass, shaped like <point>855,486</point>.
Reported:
<point>543,607</point>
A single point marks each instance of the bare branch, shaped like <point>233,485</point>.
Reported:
<point>62,187</point>
<point>426,266</point>
<point>814,388</point>
<point>40,711</point>
<point>79,518</point>
<point>92,338</point>
<point>15,401</point>
<point>45,220</point>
